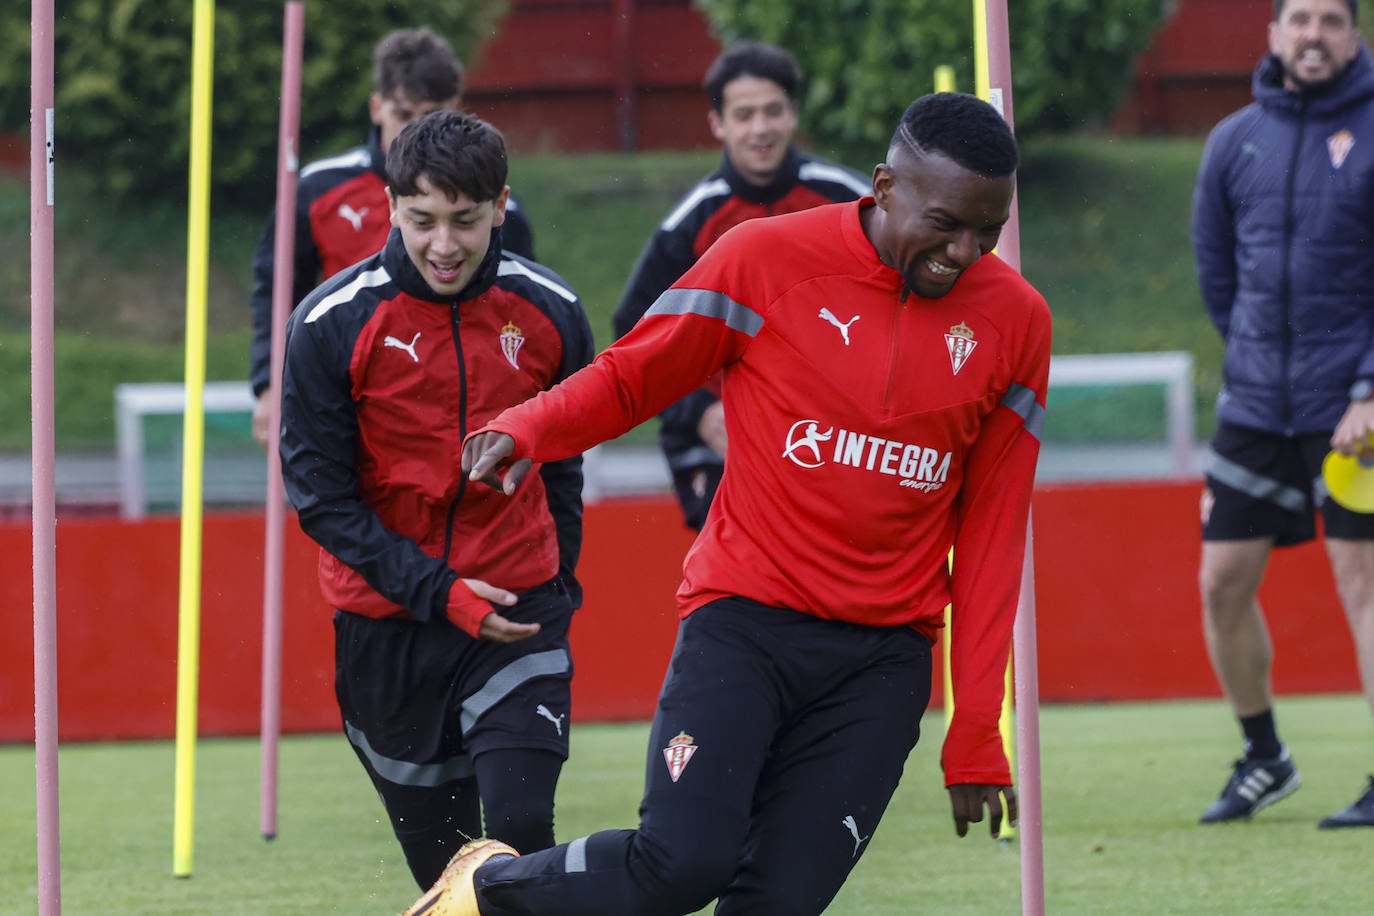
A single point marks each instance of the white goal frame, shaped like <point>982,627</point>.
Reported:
<point>136,400</point>
<point>1174,369</point>
<point>616,470</point>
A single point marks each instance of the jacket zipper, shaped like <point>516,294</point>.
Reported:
<point>897,316</point>
<point>455,324</point>
<point>1285,277</point>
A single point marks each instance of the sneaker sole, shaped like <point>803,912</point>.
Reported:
<point>453,894</point>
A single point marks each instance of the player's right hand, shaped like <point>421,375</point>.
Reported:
<point>483,457</point>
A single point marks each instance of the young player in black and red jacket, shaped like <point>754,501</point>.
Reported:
<point>342,213</point>
<point>453,602</point>
<point>753,91</point>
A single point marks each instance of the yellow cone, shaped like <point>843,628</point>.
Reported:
<point>1350,480</point>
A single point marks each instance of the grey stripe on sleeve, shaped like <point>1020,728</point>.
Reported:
<point>1021,400</point>
<point>708,303</point>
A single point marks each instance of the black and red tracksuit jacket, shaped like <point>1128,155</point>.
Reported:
<point>342,217</point>
<point>721,201</point>
<point>383,379</point>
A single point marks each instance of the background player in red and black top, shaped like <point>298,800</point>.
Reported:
<point>453,602</point>
<point>753,91</point>
<point>342,212</point>
<point>883,376</point>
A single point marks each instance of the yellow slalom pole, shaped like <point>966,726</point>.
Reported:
<point>944,82</point>
<point>982,82</point>
<point>944,78</point>
<point>193,437</point>
<point>983,87</point>
<point>949,636</point>
<point>1007,729</point>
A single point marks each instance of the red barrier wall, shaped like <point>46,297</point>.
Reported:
<point>1197,69</point>
<point>580,75</point>
<point>1118,615</point>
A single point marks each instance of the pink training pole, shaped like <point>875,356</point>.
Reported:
<point>293,33</point>
<point>44,458</point>
<point>1027,674</point>
<point>1026,665</point>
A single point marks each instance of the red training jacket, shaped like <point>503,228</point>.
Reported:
<point>871,432</point>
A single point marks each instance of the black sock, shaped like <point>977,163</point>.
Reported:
<point>1261,736</point>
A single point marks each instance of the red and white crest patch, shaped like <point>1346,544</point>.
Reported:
<point>1339,145</point>
<point>960,343</point>
<point>511,342</point>
<point>678,754</point>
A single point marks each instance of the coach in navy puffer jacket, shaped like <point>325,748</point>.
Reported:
<point>1283,229</point>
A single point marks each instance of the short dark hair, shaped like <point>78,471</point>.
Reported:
<point>752,58</point>
<point>456,152</point>
<point>1352,5</point>
<point>966,129</point>
<point>419,63</point>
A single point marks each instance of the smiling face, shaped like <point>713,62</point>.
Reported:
<point>755,124</point>
<point>1315,40</point>
<point>934,218</point>
<point>447,239</point>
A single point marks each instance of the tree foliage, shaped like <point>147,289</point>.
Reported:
<point>123,82</point>
<point>865,60</point>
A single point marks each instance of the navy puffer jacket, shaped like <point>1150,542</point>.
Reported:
<point>1283,231</point>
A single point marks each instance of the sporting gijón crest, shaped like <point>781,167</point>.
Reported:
<point>511,341</point>
<point>1339,145</point>
<point>960,343</point>
<point>678,754</point>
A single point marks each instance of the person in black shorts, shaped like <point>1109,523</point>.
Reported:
<point>451,634</point>
<point>1281,229</point>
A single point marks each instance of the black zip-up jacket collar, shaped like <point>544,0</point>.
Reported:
<point>402,269</point>
<point>374,148</point>
<point>786,179</point>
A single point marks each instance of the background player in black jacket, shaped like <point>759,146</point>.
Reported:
<point>342,213</point>
<point>753,91</point>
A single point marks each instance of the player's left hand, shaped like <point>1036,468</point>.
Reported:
<point>711,428</point>
<point>483,456</point>
<point>497,628</point>
<point>968,800</point>
<point>262,418</point>
<point>1353,434</point>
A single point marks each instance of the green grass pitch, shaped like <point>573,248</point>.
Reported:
<point>1123,786</point>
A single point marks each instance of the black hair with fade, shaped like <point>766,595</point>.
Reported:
<point>419,63</point>
<point>1352,5</point>
<point>752,58</point>
<point>455,152</point>
<point>961,127</point>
